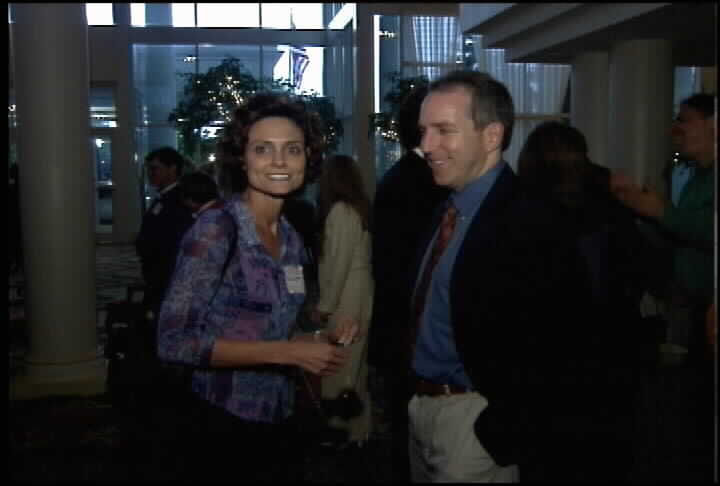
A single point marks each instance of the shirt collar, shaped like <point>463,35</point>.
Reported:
<point>203,208</point>
<point>468,198</point>
<point>168,189</point>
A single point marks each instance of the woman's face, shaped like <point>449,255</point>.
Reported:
<point>275,156</point>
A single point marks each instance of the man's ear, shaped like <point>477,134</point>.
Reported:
<point>493,135</point>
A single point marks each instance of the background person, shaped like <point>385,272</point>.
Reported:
<point>346,284</point>
<point>231,306</point>
<point>199,191</point>
<point>162,228</point>
<point>690,223</point>
<point>553,165</point>
<point>405,200</point>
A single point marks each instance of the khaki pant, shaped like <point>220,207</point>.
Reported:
<point>443,446</point>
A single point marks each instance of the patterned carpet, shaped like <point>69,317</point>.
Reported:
<point>71,439</point>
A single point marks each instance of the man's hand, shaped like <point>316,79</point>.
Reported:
<point>644,202</point>
<point>345,332</point>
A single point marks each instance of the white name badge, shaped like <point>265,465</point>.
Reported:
<point>294,279</point>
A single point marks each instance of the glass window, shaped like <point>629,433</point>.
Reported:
<point>137,14</point>
<point>687,83</point>
<point>99,13</point>
<point>103,113</point>
<point>183,15</point>
<point>102,152</point>
<point>228,15</point>
<point>162,14</point>
<point>292,15</point>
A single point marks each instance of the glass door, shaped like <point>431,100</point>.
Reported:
<point>102,164</point>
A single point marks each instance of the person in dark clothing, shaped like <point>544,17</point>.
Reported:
<point>199,191</point>
<point>553,165</point>
<point>163,226</point>
<point>404,202</point>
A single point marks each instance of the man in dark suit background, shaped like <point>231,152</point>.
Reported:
<point>405,199</point>
<point>496,330</point>
<point>163,226</point>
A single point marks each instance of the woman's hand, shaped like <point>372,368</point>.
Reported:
<point>317,357</point>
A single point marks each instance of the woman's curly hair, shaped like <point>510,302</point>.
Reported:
<point>232,175</point>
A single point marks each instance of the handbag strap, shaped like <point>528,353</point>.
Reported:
<point>230,254</point>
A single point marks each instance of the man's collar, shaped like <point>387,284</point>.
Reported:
<point>167,189</point>
<point>203,207</point>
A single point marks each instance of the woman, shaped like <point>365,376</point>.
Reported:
<point>230,310</point>
<point>554,166</point>
<point>345,289</point>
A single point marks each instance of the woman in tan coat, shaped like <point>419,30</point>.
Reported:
<point>345,283</point>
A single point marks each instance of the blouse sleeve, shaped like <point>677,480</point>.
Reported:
<point>181,329</point>
<point>342,232</point>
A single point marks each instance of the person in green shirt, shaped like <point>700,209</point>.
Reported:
<point>690,222</point>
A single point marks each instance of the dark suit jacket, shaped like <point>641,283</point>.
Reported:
<point>158,242</point>
<point>516,295</point>
<point>405,199</point>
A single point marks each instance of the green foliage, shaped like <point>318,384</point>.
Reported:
<point>385,122</point>
<point>210,98</point>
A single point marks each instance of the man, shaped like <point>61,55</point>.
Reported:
<point>162,227</point>
<point>405,199</point>
<point>688,393</point>
<point>690,222</point>
<point>495,334</point>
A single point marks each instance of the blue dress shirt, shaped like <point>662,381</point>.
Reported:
<point>436,357</point>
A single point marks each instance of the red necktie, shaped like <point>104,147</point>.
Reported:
<point>443,238</point>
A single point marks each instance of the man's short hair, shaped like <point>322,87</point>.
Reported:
<point>491,100</point>
<point>408,115</point>
<point>198,187</point>
<point>701,102</point>
<point>168,157</point>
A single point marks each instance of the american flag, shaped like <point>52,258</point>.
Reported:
<point>300,61</point>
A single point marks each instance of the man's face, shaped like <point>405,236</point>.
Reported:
<point>161,175</point>
<point>456,151</point>
<point>693,135</point>
<point>568,176</point>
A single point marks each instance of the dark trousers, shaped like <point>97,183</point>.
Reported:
<point>216,446</point>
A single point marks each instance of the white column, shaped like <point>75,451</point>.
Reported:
<point>640,109</point>
<point>57,198</point>
<point>589,102</point>
<point>363,93</point>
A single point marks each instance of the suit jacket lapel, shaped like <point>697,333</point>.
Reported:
<point>480,240</point>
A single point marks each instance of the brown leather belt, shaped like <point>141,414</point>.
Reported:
<point>428,388</point>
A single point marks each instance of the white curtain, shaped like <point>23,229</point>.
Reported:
<point>430,45</point>
<point>538,91</point>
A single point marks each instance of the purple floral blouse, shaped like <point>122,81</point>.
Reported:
<point>252,303</point>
